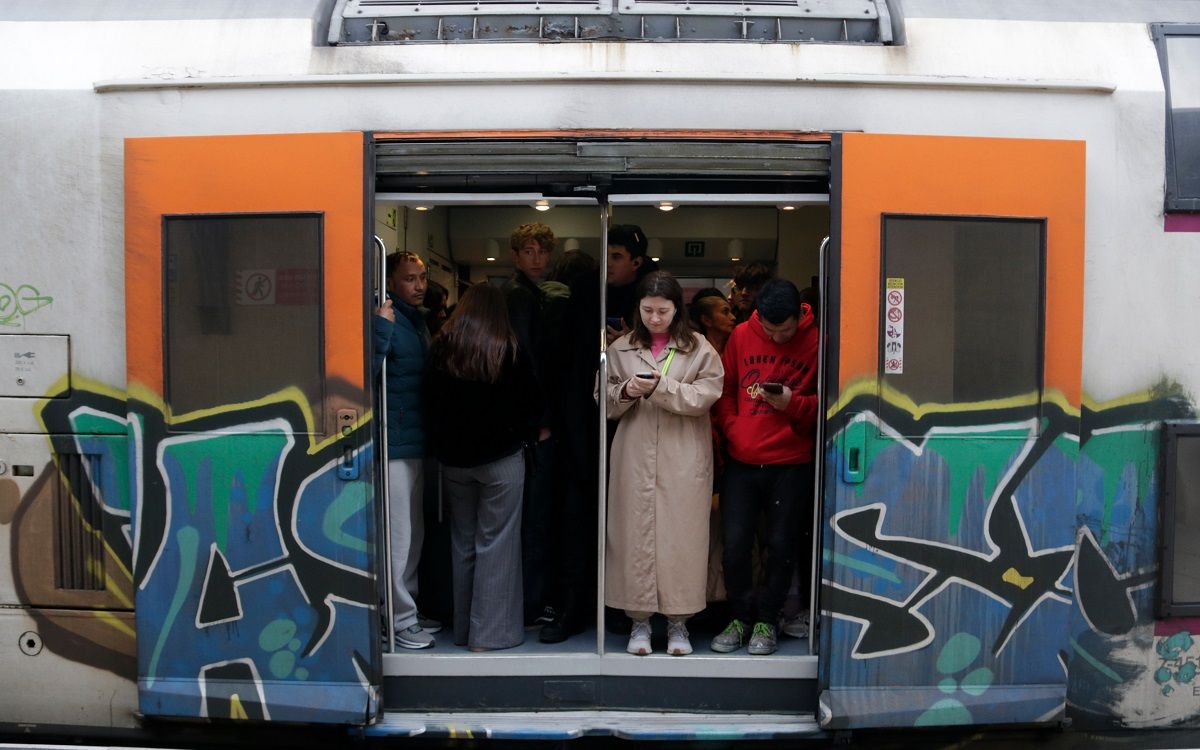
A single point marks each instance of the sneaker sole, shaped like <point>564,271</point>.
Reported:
<point>723,649</point>
<point>760,651</point>
<point>431,631</point>
<point>679,651</point>
<point>646,652</point>
<point>413,645</point>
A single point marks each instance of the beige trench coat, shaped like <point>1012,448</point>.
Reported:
<point>660,480</point>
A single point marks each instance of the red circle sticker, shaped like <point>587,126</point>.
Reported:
<point>895,298</point>
<point>895,314</point>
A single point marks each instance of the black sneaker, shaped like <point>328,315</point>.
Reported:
<point>560,629</point>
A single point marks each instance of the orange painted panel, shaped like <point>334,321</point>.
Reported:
<point>969,177</point>
<point>319,172</point>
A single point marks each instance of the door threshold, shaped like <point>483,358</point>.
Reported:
<point>500,664</point>
<point>565,725</point>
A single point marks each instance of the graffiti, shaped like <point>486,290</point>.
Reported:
<point>247,556</point>
<point>1176,666</point>
<point>234,550</point>
<point>18,303</point>
<point>1018,526</point>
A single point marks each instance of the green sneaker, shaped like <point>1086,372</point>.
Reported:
<point>763,640</point>
<point>731,638</point>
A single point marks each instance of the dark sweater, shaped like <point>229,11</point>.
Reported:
<point>478,423</point>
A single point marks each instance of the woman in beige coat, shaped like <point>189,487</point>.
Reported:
<point>662,380</point>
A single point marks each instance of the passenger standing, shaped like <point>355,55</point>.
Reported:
<point>626,264</point>
<point>532,247</point>
<point>484,389</point>
<point>713,317</point>
<point>767,417</point>
<point>663,379</point>
<point>746,282</point>
<point>402,340</point>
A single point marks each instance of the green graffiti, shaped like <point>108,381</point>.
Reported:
<point>282,663</point>
<point>276,635</point>
<point>1176,665</point>
<point>20,302</point>
<point>1099,666</point>
<point>110,431</point>
<point>967,457</point>
<point>229,461</point>
<point>958,653</point>
<point>187,541</point>
<point>353,498</point>
<point>862,567</point>
<point>1121,454</point>
<point>946,712</point>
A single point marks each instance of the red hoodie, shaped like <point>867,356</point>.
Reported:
<point>754,432</point>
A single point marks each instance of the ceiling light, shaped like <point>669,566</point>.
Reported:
<point>787,208</point>
<point>735,249</point>
<point>666,206</point>
<point>421,208</point>
<point>542,205</point>
<point>655,259</point>
<point>491,260</point>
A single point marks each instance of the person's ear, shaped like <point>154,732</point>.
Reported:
<point>637,262</point>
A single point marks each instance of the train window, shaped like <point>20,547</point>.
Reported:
<point>1179,55</point>
<point>1179,594</point>
<point>242,297</point>
<point>963,319</point>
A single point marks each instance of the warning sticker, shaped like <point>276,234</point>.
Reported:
<point>893,327</point>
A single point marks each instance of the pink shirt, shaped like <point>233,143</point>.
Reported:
<point>658,342</point>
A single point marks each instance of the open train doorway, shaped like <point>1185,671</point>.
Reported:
<point>702,239</point>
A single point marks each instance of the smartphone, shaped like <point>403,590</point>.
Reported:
<point>773,388</point>
<point>615,323</point>
<point>645,375</point>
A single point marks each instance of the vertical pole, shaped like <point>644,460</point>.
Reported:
<point>819,453</point>
<point>381,454</point>
<point>601,384</point>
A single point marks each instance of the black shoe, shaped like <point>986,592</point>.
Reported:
<point>560,629</point>
<point>545,617</point>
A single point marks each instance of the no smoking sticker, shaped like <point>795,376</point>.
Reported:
<point>893,328</point>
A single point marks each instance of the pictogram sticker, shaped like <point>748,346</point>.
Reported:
<point>893,328</point>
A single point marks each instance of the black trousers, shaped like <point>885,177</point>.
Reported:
<point>536,531</point>
<point>784,492</point>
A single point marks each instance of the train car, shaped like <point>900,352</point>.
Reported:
<point>191,521</point>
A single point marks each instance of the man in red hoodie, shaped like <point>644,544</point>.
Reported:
<point>767,416</point>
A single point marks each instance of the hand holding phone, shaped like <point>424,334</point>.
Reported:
<point>642,384</point>
<point>645,375</point>
<point>776,394</point>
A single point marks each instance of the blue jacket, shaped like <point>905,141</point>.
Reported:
<point>405,345</point>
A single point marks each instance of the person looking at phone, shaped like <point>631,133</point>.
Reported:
<point>662,380</point>
<point>626,264</point>
<point>402,340</point>
<point>767,417</point>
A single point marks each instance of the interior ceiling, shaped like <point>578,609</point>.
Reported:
<point>584,166</point>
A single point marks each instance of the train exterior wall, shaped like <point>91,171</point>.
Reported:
<point>73,91</point>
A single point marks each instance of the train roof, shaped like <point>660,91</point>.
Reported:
<point>1119,11</point>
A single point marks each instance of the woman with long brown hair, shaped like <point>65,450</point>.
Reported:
<point>482,388</point>
<point>663,378</point>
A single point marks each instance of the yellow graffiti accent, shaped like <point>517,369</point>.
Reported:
<point>900,400</point>
<point>110,619</point>
<point>141,392</point>
<point>236,709</point>
<point>1013,576</point>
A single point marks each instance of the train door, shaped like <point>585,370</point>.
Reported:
<point>249,422</point>
<point>953,398</point>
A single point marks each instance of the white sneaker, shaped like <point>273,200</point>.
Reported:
<point>798,626</point>
<point>678,643</point>
<point>639,638</point>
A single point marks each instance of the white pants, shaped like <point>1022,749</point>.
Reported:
<point>406,500</point>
